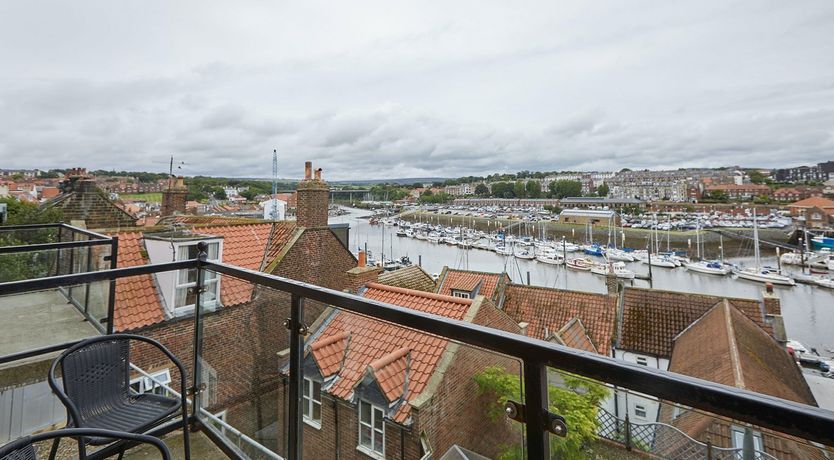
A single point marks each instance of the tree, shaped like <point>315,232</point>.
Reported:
<point>502,190</point>
<point>220,194</point>
<point>534,189</point>
<point>565,188</point>
<point>519,190</point>
<point>34,264</point>
<point>603,190</point>
<point>248,194</point>
<point>719,195</point>
<point>576,399</point>
<point>481,190</point>
<point>757,177</point>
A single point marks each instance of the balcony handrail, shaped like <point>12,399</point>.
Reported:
<point>811,423</point>
<point>52,246</point>
<point>11,228</point>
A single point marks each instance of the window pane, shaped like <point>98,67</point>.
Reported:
<point>365,412</point>
<point>213,249</point>
<point>306,406</point>
<point>317,391</point>
<point>378,419</point>
<point>364,436</point>
<point>378,442</point>
<point>316,411</point>
<point>306,388</point>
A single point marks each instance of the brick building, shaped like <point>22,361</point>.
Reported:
<point>81,200</point>
<point>740,191</point>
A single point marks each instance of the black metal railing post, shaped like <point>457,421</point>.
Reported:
<point>536,404</point>
<point>627,432</point>
<point>294,424</point>
<point>111,298</point>
<point>87,291</point>
<point>202,255</point>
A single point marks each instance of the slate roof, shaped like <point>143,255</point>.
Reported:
<point>460,279</point>
<point>548,310</point>
<point>652,318</point>
<point>412,277</point>
<point>384,348</point>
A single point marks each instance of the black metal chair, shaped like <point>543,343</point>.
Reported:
<point>96,389</point>
<point>24,448</point>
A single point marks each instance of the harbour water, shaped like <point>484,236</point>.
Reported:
<point>808,310</point>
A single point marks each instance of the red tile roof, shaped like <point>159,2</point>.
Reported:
<point>453,279</point>
<point>329,353</point>
<point>652,318</point>
<point>812,202</point>
<point>137,300</point>
<point>574,335</point>
<point>547,310</point>
<point>391,373</point>
<point>377,343</point>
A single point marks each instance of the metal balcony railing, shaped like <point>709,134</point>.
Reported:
<point>812,424</point>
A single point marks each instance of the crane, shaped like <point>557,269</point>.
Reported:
<point>274,213</point>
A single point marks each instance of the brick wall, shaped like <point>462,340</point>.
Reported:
<point>174,198</point>
<point>313,195</point>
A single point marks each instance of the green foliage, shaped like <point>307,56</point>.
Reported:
<point>219,194</point>
<point>481,190</point>
<point>756,177</point>
<point>520,190</point>
<point>534,189</point>
<point>503,190</point>
<point>719,196</point>
<point>762,199</point>
<point>553,208</point>
<point>22,212</point>
<point>27,265</point>
<point>430,197</point>
<point>248,194</point>
<point>576,399</point>
<point>565,188</point>
<point>388,192</point>
<point>603,190</point>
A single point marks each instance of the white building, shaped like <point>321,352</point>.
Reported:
<point>268,209</point>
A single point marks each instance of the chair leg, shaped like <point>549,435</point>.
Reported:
<point>82,449</point>
<point>185,436</point>
<point>54,450</point>
<point>121,453</point>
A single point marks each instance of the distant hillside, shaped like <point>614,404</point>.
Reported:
<point>400,181</point>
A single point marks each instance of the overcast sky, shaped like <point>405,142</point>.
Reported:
<point>405,89</point>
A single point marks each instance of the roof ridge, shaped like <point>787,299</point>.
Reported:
<point>735,359</point>
<point>547,288</point>
<point>698,294</point>
<point>318,344</point>
<point>413,292</point>
<point>389,358</point>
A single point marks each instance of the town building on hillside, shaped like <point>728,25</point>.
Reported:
<point>589,217</point>
<point>820,172</point>
<point>741,192</point>
<point>813,212</point>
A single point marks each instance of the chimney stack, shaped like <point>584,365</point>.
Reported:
<point>312,199</point>
<point>363,259</point>
<point>174,197</point>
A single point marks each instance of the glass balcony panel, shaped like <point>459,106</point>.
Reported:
<point>388,389</point>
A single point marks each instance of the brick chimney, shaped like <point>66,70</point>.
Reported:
<point>174,197</point>
<point>362,274</point>
<point>313,195</point>
<point>772,305</point>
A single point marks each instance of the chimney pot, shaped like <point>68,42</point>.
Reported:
<point>769,288</point>
<point>363,259</point>
<point>318,174</point>
<point>308,170</point>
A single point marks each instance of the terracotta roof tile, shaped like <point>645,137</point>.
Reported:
<point>547,310</point>
<point>137,301</point>
<point>372,340</point>
<point>391,373</point>
<point>574,335</point>
<point>816,201</point>
<point>652,318</point>
<point>461,279</point>
<point>412,277</point>
<point>329,353</point>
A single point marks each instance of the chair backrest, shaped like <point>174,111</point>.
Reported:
<point>97,376</point>
<point>25,452</point>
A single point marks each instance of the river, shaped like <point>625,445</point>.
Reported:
<point>808,310</point>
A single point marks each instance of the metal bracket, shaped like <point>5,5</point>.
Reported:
<point>555,423</point>
<point>192,391</point>
<point>302,328</point>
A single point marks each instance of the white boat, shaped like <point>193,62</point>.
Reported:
<point>617,268</point>
<point>582,264</point>
<point>550,258</point>
<point>433,239</point>
<point>792,258</point>
<point>660,261</point>
<point>825,282</point>
<point>764,275</point>
<point>619,254</point>
<point>503,250</point>
<point>710,267</point>
<point>758,272</point>
<point>566,247</point>
<point>525,254</point>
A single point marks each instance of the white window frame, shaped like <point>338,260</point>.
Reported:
<point>148,385</point>
<point>460,294</point>
<point>638,408</point>
<point>376,412</point>
<point>309,402</point>
<point>758,442</point>
<point>211,280</point>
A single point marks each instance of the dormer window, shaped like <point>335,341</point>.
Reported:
<point>185,294</point>
<point>461,294</point>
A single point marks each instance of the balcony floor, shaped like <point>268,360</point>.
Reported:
<point>39,319</point>
<point>201,448</point>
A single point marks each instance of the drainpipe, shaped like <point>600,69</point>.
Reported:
<point>336,419</point>
<point>402,443</point>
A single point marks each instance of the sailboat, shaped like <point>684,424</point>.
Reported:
<point>710,267</point>
<point>618,269</point>
<point>758,272</point>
